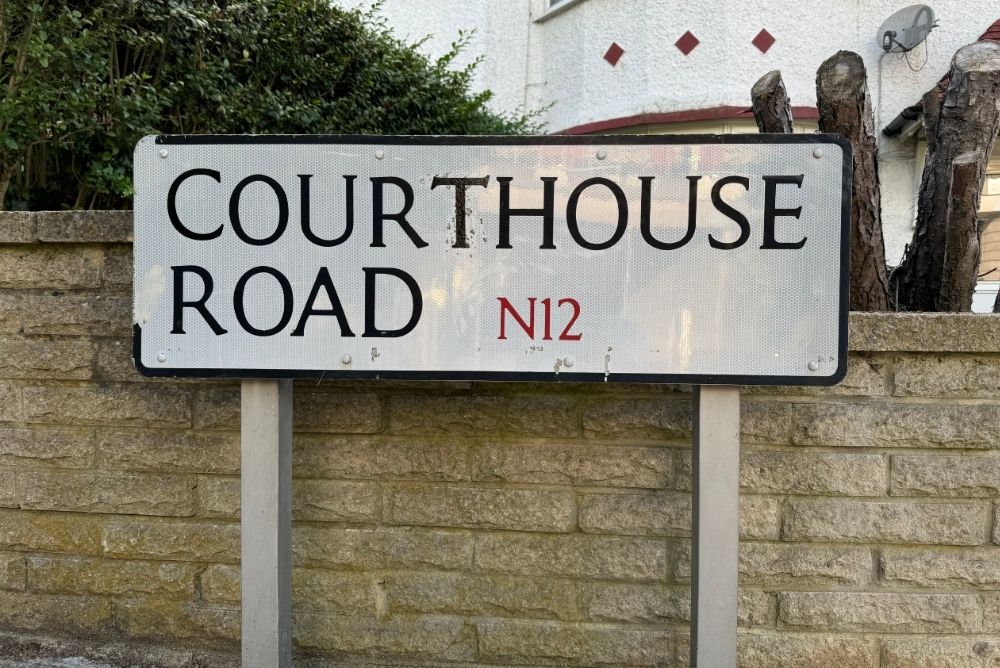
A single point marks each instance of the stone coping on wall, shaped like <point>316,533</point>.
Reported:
<point>76,227</point>
<point>868,332</point>
<point>925,332</point>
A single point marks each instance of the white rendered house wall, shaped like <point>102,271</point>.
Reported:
<point>552,57</point>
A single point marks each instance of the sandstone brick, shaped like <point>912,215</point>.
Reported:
<point>543,642</point>
<point>765,421</point>
<point>338,412</point>
<point>13,571</point>
<point>763,649</point>
<point>220,583</point>
<point>117,267</point>
<point>52,614</point>
<point>882,612</point>
<point>49,532</point>
<point>914,567</point>
<point>98,492</point>
<point>680,560</point>
<point>482,507</point>
<point>50,267</point>
<point>76,313</point>
<point>955,475</point>
<point>10,402</point>
<point>573,555</point>
<point>335,501</point>
<point>682,649</point>
<point>776,565</point>
<point>636,514</point>
<point>536,415</point>
<point>313,500</point>
<point>669,515</point>
<point>44,357</point>
<point>924,332</point>
<point>991,612</point>
<point>760,517</point>
<point>682,470</point>
<point>635,603</point>
<point>17,446</point>
<point>337,592</point>
<point>397,639</point>
<point>47,448</point>
<point>13,309</point>
<point>17,227</point>
<point>165,620</point>
<point>787,472</point>
<point>108,405</point>
<point>12,485</point>
<point>334,456</point>
<point>482,595</point>
<point>178,452</point>
<point>83,226</point>
<point>613,466</point>
<point>886,521</point>
<point>889,425</point>
<point>172,540</point>
<point>756,608</point>
<point>404,547</point>
<point>952,375</point>
<point>219,497</point>
<point>217,408</point>
<point>938,652</point>
<point>660,418</point>
<point>89,575</point>
<point>313,411</point>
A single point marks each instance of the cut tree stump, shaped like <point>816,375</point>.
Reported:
<point>961,248</point>
<point>964,130</point>
<point>771,108</point>
<point>845,108</point>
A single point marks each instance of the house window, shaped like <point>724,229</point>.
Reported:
<point>989,239</point>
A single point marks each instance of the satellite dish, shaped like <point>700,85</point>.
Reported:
<point>906,28</point>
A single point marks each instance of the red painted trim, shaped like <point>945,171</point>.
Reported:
<point>688,115</point>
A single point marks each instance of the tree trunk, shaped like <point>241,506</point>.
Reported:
<point>931,104</point>
<point>845,108</point>
<point>961,248</point>
<point>964,130</point>
<point>771,107</point>
<point>5,176</point>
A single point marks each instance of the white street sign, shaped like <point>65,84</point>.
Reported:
<point>697,259</point>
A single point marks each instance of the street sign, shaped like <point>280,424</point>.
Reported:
<point>697,259</point>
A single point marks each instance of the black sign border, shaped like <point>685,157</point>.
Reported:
<point>536,376</point>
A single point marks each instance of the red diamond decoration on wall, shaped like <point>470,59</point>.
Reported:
<point>686,43</point>
<point>614,53</point>
<point>763,41</point>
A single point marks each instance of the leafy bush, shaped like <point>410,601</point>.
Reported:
<point>84,80</point>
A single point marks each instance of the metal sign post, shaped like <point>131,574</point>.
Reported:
<point>716,526</point>
<point>266,523</point>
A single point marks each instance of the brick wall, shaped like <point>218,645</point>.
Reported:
<point>490,523</point>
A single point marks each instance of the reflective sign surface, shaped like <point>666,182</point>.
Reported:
<point>702,259</point>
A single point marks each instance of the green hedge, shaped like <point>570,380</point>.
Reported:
<point>84,80</point>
